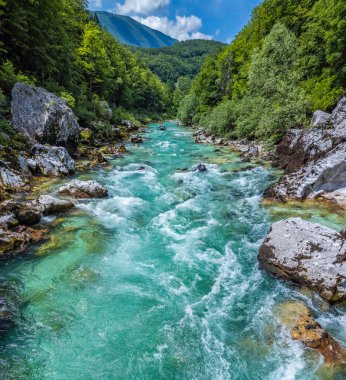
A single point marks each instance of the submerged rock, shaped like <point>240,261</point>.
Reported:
<point>200,168</point>
<point>84,189</point>
<point>298,318</point>
<point>53,161</point>
<point>308,254</point>
<point>44,117</point>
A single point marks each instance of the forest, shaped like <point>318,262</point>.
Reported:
<point>287,62</point>
<point>183,59</point>
<point>59,45</point>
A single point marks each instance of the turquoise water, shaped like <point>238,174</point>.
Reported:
<point>160,280</point>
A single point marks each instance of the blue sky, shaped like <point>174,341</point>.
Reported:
<point>185,19</point>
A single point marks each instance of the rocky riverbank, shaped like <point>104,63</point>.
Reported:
<point>313,162</point>
<point>53,145</point>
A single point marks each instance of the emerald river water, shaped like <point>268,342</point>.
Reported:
<point>160,280</point>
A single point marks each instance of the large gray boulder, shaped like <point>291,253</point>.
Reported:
<point>52,161</point>
<point>84,189</point>
<point>308,254</point>
<point>314,160</point>
<point>43,117</point>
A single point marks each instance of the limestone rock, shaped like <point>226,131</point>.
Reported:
<point>314,160</point>
<point>10,180</point>
<point>50,205</point>
<point>339,113</point>
<point>321,119</point>
<point>308,254</point>
<point>53,161</point>
<point>43,117</point>
<point>84,189</point>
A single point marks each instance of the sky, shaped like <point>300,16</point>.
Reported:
<point>220,20</point>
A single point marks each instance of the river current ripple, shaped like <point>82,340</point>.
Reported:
<point>160,280</point>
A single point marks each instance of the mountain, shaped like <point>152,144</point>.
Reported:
<point>131,32</point>
<point>182,59</point>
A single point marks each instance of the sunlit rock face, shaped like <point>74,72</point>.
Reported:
<point>44,117</point>
<point>309,254</point>
<point>314,160</point>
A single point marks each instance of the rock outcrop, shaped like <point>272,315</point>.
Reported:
<point>84,189</point>
<point>52,161</point>
<point>308,254</point>
<point>314,160</point>
<point>43,117</point>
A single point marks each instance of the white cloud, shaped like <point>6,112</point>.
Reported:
<point>96,3</point>
<point>182,28</point>
<point>142,7</point>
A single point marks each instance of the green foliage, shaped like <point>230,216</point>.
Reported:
<point>274,100</point>
<point>58,45</point>
<point>273,77</point>
<point>183,59</point>
<point>220,120</point>
<point>185,112</point>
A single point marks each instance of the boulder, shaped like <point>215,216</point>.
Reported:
<point>52,161</point>
<point>303,327</point>
<point>308,254</point>
<point>328,174</point>
<point>8,221</point>
<point>339,114</point>
<point>321,119</point>
<point>136,139</point>
<point>43,117</point>
<point>200,168</point>
<point>162,128</point>
<point>10,180</point>
<point>314,161</point>
<point>27,214</point>
<point>51,205</point>
<point>13,242</point>
<point>84,189</point>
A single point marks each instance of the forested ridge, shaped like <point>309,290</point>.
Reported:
<point>183,59</point>
<point>287,62</point>
<point>59,45</point>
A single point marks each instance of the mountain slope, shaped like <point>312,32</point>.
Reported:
<point>182,59</point>
<point>131,32</point>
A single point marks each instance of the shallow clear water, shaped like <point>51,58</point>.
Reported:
<point>160,280</point>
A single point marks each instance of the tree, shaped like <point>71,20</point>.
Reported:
<point>274,100</point>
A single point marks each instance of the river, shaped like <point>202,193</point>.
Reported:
<point>160,280</point>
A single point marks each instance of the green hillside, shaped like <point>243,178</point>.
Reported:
<point>287,62</point>
<point>184,59</point>
<point>130,32</point>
